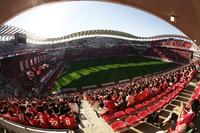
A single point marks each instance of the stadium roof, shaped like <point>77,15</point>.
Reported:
<point>8,33</point>
<point>185,12</point>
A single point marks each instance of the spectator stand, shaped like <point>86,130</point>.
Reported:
<point>90,121</point>
<point>12,87</point>
<point>165,98</point>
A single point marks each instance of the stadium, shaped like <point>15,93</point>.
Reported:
<point>101,80</point>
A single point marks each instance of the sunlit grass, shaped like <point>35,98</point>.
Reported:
<point>99,71</point>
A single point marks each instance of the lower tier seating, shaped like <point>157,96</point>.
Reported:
<point>132,115</point>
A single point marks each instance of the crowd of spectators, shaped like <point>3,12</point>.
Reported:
<point>172,43</point>
<point>103,52</point>
<point>62,110</point>
<point>53,111</point>
<point>113,98</point>
<point>37,72</point>
<point>167,53</point>
<point>175,55</point>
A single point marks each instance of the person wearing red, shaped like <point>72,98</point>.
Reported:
<point>22,119</point>
<point>32,120</point>
<point>186,118</point>
<point>68,122</point>
<point>146,94</point>
<point>43,120</point>
<point>7,115</point>
<point>10,115</point>
<point>137,98</point>
<point>142,96</point>
<point>110,104</point>
<point>164,85</point>
<point>54,120</point>
<point>46,114</point>
<point>15,118</point>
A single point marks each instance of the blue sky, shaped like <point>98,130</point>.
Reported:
<point>58,19</point>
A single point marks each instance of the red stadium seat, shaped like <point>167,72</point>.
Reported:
<point>143,114</point>
<point>194,97</point>
<point>130,111</point>
<point>153,108</point>
<point>118,125</point>
<point>108,117</point>
<point>167,90</point>
<point>172,95</point>
<point>158,97</point>
<point>145,103</point>
<point>162,94</point>
<point>197,91</point>
<point>138,106</point>
<point>131,120</point>
<point>167,100</point>
<point>152,100</point>
<point>120,114</point>
<point>177,91</point>
<point>198,85</point>
<point>160,104</point>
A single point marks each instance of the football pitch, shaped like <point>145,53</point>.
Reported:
<point>97,71</point>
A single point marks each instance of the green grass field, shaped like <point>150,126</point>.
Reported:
<point>91,72</point>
